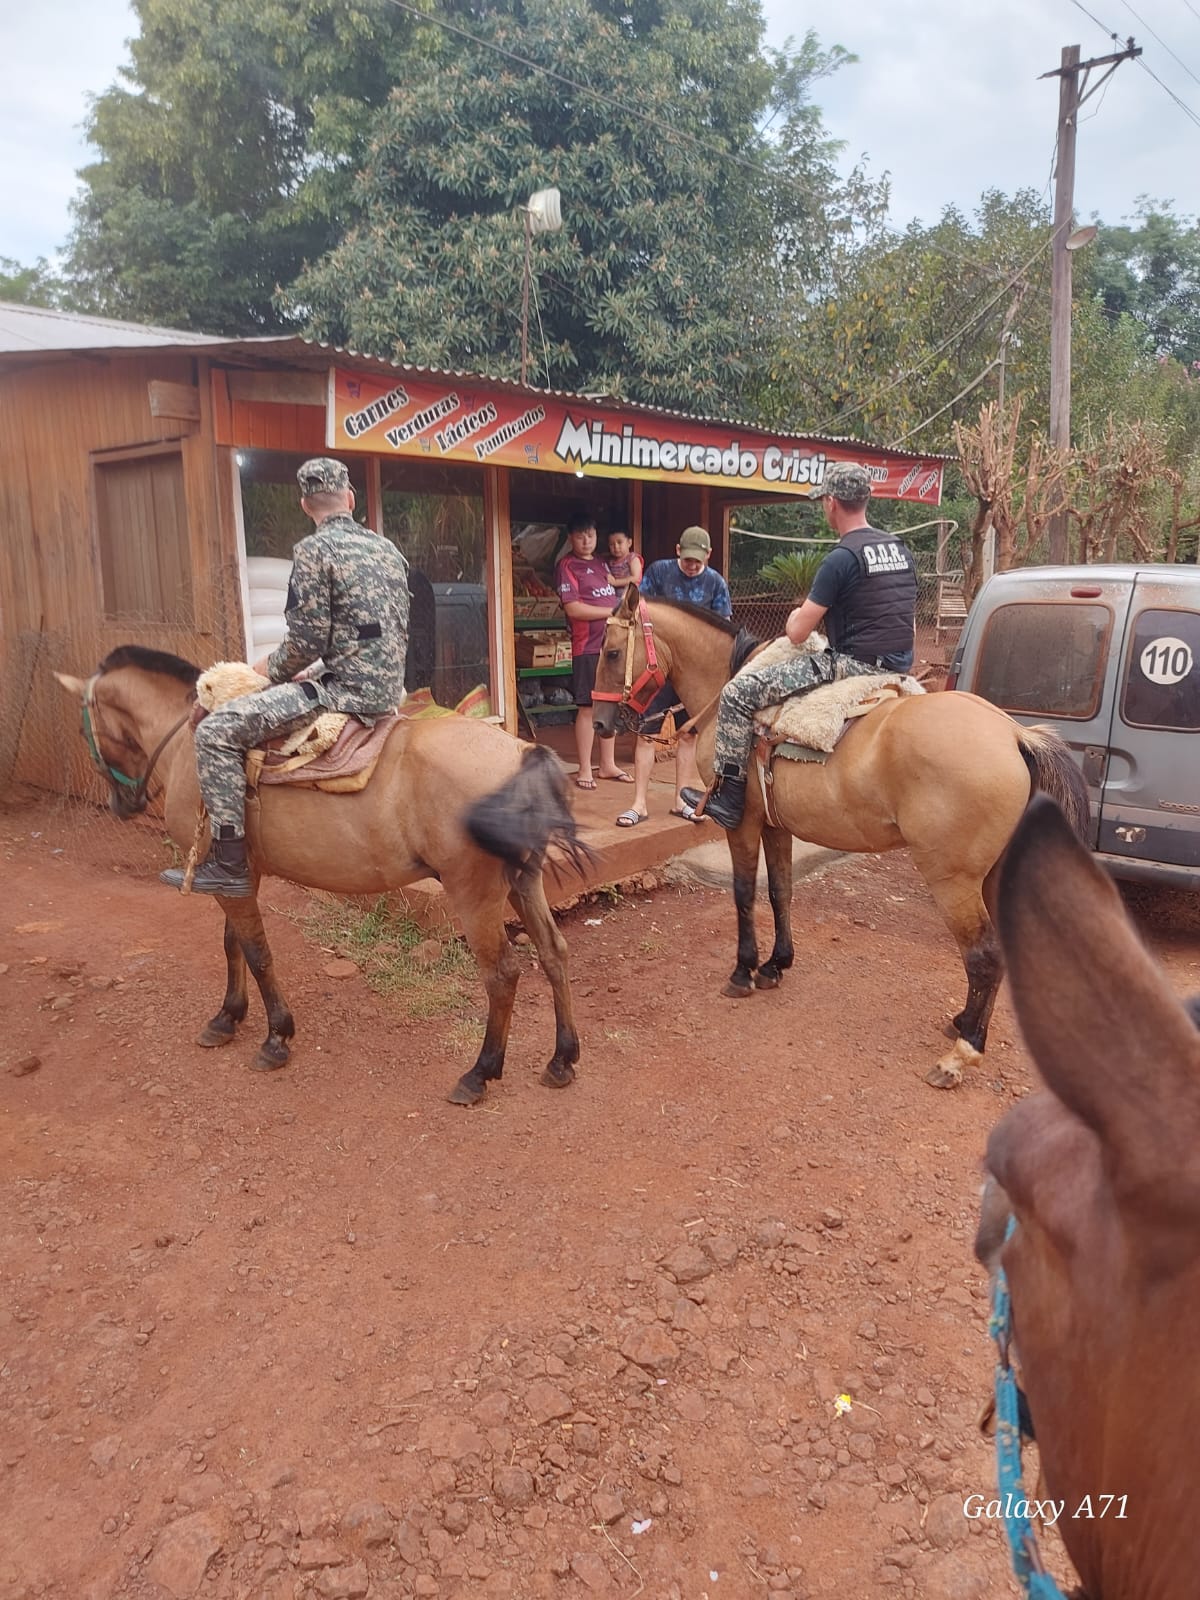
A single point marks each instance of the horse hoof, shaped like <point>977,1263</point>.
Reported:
<point>465,1094</point>
<point>558,1077</point>
<point>270,1057</point>
<point>764,980</point>
<point>948,1073</point>
<point>735,991</point>
<point>943,1077</point>
<point>213,1036</point>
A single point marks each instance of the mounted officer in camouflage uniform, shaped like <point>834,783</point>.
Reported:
<point>347,606</point>
<point>865,593</point>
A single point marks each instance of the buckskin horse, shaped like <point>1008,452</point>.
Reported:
<point>948,775</point>
<point>1095,1184</point>
<point>451,797</point>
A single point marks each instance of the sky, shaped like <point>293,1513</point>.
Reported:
<point>945,99</point>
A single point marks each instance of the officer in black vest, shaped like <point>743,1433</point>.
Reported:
<point>864,595</point>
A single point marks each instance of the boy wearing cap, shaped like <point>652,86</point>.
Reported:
<point>688,578</point>
<point>865,594</point>
<point>347,606</point>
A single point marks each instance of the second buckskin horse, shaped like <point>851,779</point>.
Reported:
<point>948,775</point>
<point>451,798</point>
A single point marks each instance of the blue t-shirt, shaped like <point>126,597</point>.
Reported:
<point>663,580</point>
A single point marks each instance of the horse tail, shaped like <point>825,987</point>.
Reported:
<point>521,820</point>
<point>1053,772</point>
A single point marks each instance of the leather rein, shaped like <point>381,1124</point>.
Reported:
<point>638,695</point>
<point>91,730</point>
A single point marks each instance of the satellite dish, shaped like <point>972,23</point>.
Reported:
<point>545,211</point>
<point>1081,237</point>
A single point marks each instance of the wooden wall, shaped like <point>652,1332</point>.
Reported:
<point>57,418</point>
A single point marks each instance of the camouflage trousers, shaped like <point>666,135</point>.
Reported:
<point>224,736</point>
<point>751,691</point>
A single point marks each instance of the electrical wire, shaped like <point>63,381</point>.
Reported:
<point>1160,40</point>
<point>1113,34</point>
<point>587,91</point>
<point>961,395</point>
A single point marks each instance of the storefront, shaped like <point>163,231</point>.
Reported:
<point>153,475</point>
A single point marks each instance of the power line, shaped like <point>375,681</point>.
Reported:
<point>1160,40</point>
<point>931,355</point>
<point>961,395</point>
<point>588,91</point>
<point>1113,34</point>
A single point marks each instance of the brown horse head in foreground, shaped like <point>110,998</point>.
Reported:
<point>1102,1176</point>
<point>947,775</point>
<point>451,798</point>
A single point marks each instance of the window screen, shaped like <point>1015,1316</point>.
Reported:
<point>1162,682</point>
<point>1044,659</point>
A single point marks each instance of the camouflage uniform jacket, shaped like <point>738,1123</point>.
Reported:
<point>347,604</point>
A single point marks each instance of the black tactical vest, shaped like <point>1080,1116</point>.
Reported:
<point>876,618</point>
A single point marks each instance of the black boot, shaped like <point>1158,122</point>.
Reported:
<point>724,803</point>
<point>223,871</point>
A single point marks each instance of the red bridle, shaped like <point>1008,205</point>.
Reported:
<point>637,696</point>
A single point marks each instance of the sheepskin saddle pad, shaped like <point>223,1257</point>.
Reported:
<point>334,752</point>
<point>815,719</point>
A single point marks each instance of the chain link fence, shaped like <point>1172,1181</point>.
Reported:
<point>771,572</point>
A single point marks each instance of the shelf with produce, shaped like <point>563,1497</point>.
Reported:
<point>560,669</point>
<point>541,711</point>
<point>549,624</point>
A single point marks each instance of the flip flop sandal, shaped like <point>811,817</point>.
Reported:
<point>686,813</point>
<point>615,777</point>
<point>630,818</point>
<point>585,783</point>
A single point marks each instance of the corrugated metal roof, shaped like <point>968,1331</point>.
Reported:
<point>26,330</point>
<point>29,330</point>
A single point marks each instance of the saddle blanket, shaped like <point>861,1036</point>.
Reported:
<point>815,719</point>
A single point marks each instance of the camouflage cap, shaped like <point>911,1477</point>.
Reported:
<point>846,480</point>
<point>323,475</point>
<point>694,544</point>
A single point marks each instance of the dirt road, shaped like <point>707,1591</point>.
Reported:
<point>319,1333</point>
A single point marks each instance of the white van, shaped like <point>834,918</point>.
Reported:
<point>1110,656</point>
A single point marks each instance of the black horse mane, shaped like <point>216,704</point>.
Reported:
<point>137,655</point>
<point>743,640</point>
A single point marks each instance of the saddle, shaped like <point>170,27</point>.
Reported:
<point>807,726</point>
<point>335,752</point>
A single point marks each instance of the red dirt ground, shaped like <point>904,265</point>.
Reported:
<point>318,1333</point>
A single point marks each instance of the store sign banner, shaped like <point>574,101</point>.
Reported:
<point>455,422</point>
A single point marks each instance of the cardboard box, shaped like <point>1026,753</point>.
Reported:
<point>562,651</point>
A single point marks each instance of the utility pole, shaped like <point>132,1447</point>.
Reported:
<point>1072,75</point>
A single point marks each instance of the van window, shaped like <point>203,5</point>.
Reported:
<point>1162,682</point>
<point>1044,658</point>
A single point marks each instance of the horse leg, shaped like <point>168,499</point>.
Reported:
<point>777,848</point>
<point>743,851</point>
<point>223,1026</point>
<point>552,953</point>
<point>961,901</point>
<point>482,918</point>
<point>246,919</point>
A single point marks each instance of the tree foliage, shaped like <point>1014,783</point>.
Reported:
<point>38,285</point>
<point>227,152</point>
<point>685,226</point>
<point>1148,269</point>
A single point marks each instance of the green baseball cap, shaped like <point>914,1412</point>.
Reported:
<point>695,544</point>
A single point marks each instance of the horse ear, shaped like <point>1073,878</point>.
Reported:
<point>1107,1033</point>
<point>74,686</point>
<point>629,601</point>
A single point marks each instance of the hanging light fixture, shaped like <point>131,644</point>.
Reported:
<point>543,214</point>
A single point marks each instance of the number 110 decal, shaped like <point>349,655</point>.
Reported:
<point>1166,660</point>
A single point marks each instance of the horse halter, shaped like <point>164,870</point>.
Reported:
<point>637,696</point>
<point>91,727</point>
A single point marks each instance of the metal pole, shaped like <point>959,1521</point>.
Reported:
<point>525,296</point>
<point>1060,283</point>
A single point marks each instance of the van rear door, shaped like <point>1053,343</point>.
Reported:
<point>1046,648</point>
<point>1150,806</point>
